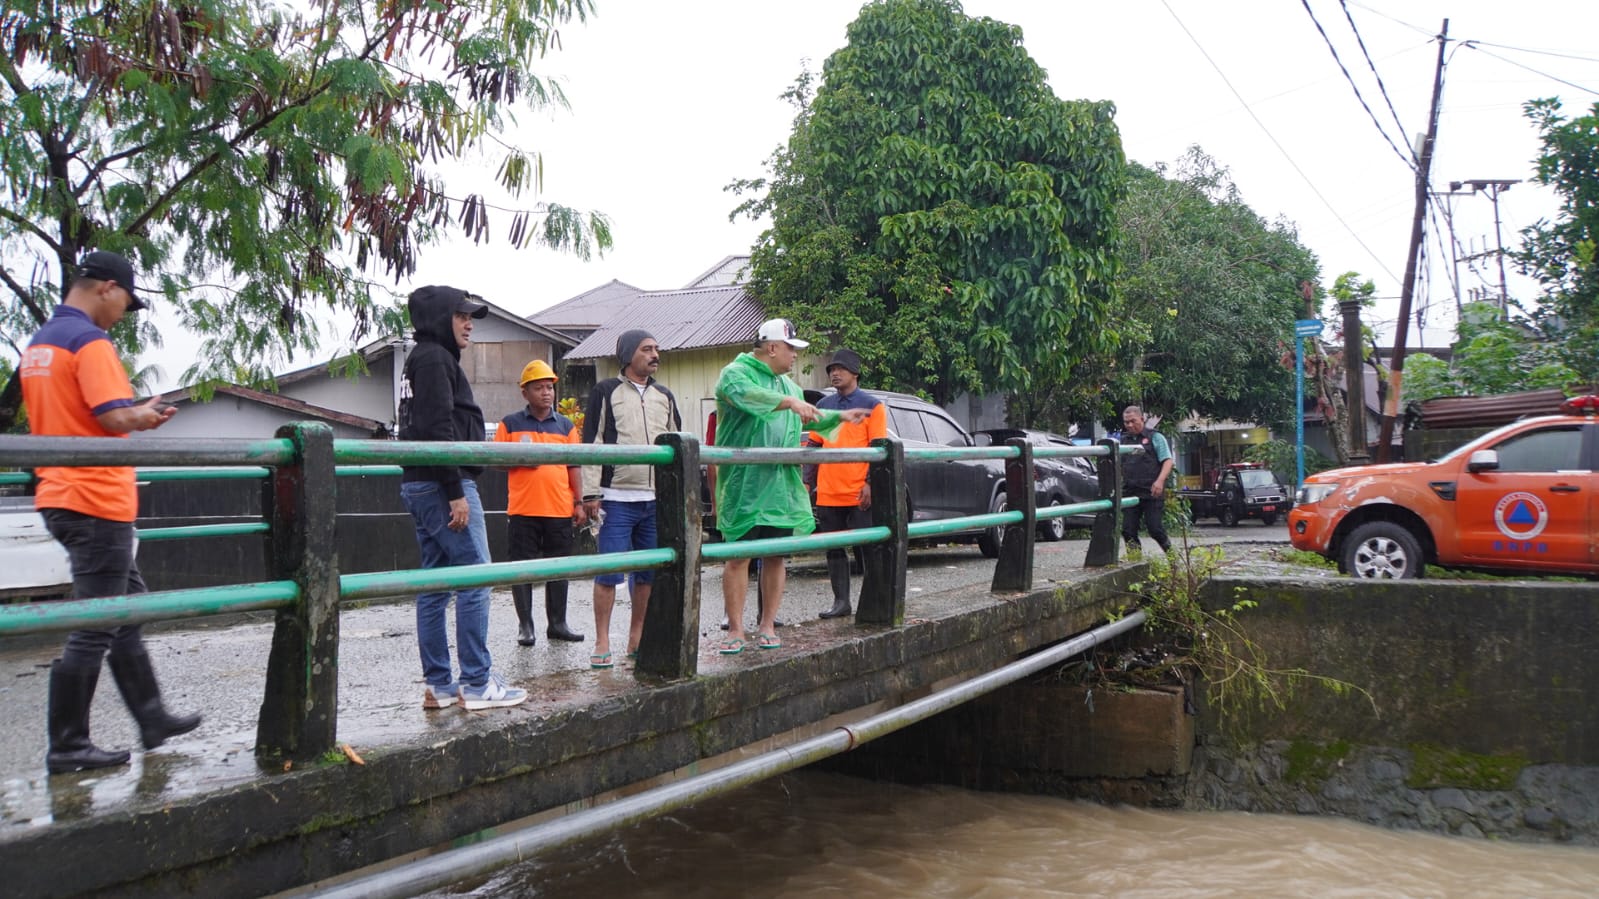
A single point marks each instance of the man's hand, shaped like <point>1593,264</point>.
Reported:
<point>143,417</point>
<point>580,515</point>
<point>1157,489</point>
<point>865,501</point>
<point>460,513</point>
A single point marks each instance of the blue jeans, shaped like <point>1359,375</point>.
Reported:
<point>627,526</point>
<point>442,547</point>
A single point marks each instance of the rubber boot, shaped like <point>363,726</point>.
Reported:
<point>555,612</point>
<point>838,575</point>
<point>71,692</point>
<point>135,678</point>
<point>522,599</point>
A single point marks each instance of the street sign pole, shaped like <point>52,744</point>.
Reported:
<point>1303,328</point>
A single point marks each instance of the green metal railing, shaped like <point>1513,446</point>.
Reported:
<point>300,467</point>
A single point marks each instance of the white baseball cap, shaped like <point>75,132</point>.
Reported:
<point>781,329</point>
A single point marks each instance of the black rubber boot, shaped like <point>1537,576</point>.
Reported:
<point>838,575</point>
<point>555,611</point>
<point>523,601</point>
<point>135,677</point>
<point>71,692</point>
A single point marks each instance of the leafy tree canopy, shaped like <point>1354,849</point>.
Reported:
<point>1491,355</point>
<point>1205,303</point>
<point>1560,253</point>
<point>258,164</point>
<point>939,210</point>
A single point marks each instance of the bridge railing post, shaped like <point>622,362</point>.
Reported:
<point>1104,547</point>
<point>883,578</point>
<point>669,647</point>
<point>299,713</point>
<point>1013,572</point>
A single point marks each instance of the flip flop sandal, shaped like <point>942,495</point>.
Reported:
<point>730,647</point>
<point>600,660</point>
<point>769,641</point>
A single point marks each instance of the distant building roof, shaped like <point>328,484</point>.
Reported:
<point>693,319</point>
<point>1485,411</point>
<point>587,310</point>
<point>729,272</point>
<point>300,408</point>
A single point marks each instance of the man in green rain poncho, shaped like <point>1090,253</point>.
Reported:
<point>758,405</point>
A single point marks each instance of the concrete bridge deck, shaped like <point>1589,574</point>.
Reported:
<point>203,807</point>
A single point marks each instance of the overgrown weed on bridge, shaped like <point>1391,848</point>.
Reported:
<point>1189,642</point>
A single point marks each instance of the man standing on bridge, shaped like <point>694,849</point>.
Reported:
<point>758,405</point>
<point>436,404</point>
<point>1144,476</point>
<point>546,501</point>
<point>632,408</point>
<point>843,497</point>
<point>74,386</point>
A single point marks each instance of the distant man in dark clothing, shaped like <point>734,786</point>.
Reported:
<point>74,385</point>
<point>545,501</point>
<point>1144,476</point>
<point>843,496</point>
<point>436,404</point>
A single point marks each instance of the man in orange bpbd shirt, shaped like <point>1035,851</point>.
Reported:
<point>843,497</point>
<point>546,501</point>
<point>74,385</point>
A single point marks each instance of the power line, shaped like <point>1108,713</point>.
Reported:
<point>1473,45</point>
<point>1278,144</point>
<point>1409,161</point>
<point>1382,88</point>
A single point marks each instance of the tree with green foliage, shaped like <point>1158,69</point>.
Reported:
<point>1561,253</point>
<point>1491,355</point>
<point>261,164</point>
<point>939,210</point>
<point>1205,303</point>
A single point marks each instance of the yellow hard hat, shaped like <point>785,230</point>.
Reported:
<point>537,370</point>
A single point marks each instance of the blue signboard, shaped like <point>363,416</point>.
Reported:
<point>1307,327</point>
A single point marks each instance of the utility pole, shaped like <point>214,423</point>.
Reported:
<point>1407,290</point>
<point>1494,187</point>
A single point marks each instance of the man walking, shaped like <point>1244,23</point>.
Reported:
<point>630,409</point>
<point>1144,476</point>
<point>436,404</point>
<point>74,385</point>
<point>545,501</point>
<point>758,405</point>
<point>843,497</point>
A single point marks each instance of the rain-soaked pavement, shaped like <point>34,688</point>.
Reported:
<point>217,667</point>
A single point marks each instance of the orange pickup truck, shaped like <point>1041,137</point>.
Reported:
<point>1522,498</point>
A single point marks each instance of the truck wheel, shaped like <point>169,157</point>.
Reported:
<point>988,541</point>
<point>1228,517</point>
<point>1268,518</point>
<point>1382,549</point>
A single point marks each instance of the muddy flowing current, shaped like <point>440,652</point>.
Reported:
<point>815,834</point>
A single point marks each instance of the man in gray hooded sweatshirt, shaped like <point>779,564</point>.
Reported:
<point>436,404</point>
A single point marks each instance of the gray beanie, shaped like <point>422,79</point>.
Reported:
<point>627,344</point>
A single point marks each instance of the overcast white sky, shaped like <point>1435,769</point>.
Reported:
<point>671,101</point>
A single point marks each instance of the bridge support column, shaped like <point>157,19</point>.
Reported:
<point>1104,547</point>
<point>1013,572</point>
<point>883,581</point>
<point>299,714</point>
<point>670,645</point>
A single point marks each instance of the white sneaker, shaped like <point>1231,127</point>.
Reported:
<point>492,695</point>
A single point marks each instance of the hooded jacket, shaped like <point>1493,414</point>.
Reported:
<point>435,397</point>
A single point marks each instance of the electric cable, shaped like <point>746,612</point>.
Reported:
<point>1407,159</point>
<point>1381,87</point>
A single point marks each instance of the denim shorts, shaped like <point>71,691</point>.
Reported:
<point>627,526</point>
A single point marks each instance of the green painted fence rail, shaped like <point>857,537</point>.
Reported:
<point>301,464</point>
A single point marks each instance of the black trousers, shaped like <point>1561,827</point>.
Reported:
<point>538,537</point>
<point>1152,511</point>
<point>840,518</point>
<point>101,555</point>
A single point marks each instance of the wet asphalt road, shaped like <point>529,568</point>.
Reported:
<point>216,667</point>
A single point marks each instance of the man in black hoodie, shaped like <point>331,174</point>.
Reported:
<point>436,404</point>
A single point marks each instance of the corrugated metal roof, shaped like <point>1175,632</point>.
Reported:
<point>680,320</point>
<point>589,309</point>
<point>730,271</point>
<point>1487,411</point>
